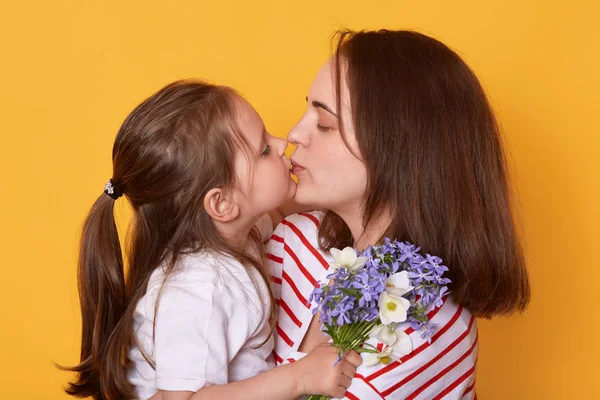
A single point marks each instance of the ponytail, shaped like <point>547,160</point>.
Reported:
<point>102,294</point>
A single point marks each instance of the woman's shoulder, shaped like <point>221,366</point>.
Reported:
<point>452,316</point>
<point>303,225</point>
<point>452,331</point>
<point>297,237</point>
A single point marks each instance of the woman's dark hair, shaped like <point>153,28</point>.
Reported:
<point>433,153</point>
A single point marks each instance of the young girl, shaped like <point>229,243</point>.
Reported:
<point>192,317</point>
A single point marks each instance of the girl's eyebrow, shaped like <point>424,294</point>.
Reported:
<point>263,141</point>
<point>318,104</point>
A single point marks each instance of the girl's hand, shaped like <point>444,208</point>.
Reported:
<point>316,374</point>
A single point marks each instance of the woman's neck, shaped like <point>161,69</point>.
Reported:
<point>372,233</point>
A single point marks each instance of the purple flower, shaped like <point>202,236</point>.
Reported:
<point>416,325</point>
<point>326,318</point>
<point>419,291</point>
<point>408,251</point>
<point>427,297</point>
<point>439,301</point>
<point>374,263</point>
<point>370,283</point>
<point>436,264</point>
<point>316,293</point>
<point>420,274</point>
<point>429,331</point>
<point>442,281</point>
<point>352,295</point>
<point>341,311</point>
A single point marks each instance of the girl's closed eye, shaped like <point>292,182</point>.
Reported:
<point>266,151</point>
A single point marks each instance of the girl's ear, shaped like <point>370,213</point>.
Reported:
<point>219,206</point>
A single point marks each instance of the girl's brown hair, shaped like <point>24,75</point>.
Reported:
<point>434,158</point>
<point>170,151</point>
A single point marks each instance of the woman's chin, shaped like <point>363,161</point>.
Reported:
<point>302,195</point>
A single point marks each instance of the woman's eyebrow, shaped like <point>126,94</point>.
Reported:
<point>318,104</point>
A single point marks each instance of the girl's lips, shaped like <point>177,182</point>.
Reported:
<point>296,168</point>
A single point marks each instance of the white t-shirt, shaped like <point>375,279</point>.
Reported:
<point>212,316</point>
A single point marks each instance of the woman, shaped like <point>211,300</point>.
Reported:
<point>399,141</point>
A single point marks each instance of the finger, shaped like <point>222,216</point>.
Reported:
<point>348,370</point>
<point>330,348</point>
<point>354,358</point>
<point>339,392</point>
<point>344,381</point>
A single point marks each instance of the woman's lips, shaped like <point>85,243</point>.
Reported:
<point>296,168</point>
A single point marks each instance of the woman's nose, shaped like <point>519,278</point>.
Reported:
<point>298,135</point>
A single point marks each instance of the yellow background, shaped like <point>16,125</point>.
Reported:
<point>70,72</point>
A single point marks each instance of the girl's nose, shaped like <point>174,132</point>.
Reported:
<point>280,145</point>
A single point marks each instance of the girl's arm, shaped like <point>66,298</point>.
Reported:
<point>314,374</point>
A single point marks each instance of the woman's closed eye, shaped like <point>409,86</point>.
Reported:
<point>323,128</point>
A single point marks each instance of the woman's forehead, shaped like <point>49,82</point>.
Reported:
<point>323,88</point>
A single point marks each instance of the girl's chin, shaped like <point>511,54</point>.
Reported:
<point>292,190</point>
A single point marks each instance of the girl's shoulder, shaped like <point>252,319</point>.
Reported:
<point>213,276</point>
<point>206,269</point>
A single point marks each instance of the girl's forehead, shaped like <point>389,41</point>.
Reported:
<point>250,124</point>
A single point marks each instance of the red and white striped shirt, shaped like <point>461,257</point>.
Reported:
<point>444,368</point>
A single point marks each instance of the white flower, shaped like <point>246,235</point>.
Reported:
<point>347,258</point>
<point>392,308</point>
<point>392,336</point>
<point>398,284</point>
<point>385,357</point>
<point>397,343</point>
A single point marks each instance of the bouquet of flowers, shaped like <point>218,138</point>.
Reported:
<point>370,294</point>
